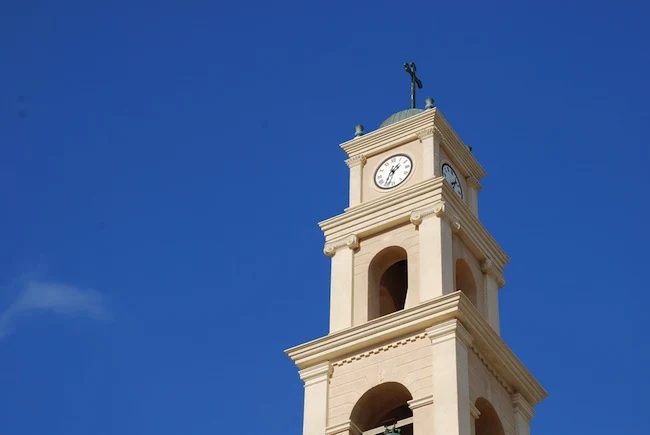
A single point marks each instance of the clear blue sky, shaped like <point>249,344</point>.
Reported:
<point>163,166</point>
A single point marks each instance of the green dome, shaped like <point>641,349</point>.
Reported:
<point>396,117</point>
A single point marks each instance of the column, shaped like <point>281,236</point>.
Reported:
<point>422,415</point>
<point>356,164</point>
<point>341,281</point>
<point>428,152</point>
<point>451,414</point>
<point>523,414</point>
<point>316,381</point>
<point>472,195</point>
<point>492,282</point>
<point>436,256</point>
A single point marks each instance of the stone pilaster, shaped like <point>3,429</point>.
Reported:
<point>316,381</point>
<point>492,281</point>
<point>523,414</point>
<point>356,164</point>
<point>422,415</point>
<point>435,229</point>
<point>451,414</point>
<point>341,281</point>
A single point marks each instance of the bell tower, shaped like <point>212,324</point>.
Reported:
<point>414,344</point>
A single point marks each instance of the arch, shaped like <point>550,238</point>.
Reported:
<point>383,404</point>
<point>465,280</point>
<point>488,422</point>
<point>387,282</point>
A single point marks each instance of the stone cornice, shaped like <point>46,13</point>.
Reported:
<point>457,150</point>
<point>521,405</point>
<point>350,242</point>
<point>414,128</point>
<point>317,373</point>
<point>433,196</point>
<point>379,349</point>
<point>425,133</point>
<point>419,403</point>
<point>357,160</point>
<point>345,343</point>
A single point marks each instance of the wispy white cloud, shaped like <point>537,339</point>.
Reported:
<point>56,298</point>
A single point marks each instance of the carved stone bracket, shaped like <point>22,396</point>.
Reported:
<point>419,403</point>
<point>424,134</point>
<point>473,182</point>
<point>438,209</point>
<point>449,330</point>
<point>487,267</point>
<point>473,410</point>
<point>317,373</point>
<point>357,160</point>
<point>351,242</point>
<point>522,406</point>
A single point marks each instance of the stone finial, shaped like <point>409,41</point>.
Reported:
<point>428,103</point>
<point>358,130</point>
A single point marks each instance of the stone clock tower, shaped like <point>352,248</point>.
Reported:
<point>414,341</point>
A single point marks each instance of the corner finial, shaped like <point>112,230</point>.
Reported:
<point>358,130</point>
<point>428,103</point>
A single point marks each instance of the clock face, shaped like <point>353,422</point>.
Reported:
<point>452,178</point>
<point>393,171</point>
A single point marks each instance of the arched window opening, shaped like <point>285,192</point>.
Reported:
<point>465,280</point>
<point>381,406</point>
<point>488,422</point>
<point>387,282</point>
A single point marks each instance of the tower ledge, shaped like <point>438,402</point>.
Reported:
<point>438,312</point>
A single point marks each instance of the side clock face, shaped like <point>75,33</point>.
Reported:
<point>393,171</point>
<point>452,178</point>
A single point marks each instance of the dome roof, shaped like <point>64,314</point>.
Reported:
<point>396,117</point>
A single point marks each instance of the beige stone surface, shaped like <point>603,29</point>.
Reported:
<point>414,308</point>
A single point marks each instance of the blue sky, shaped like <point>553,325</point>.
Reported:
<point>163,166</point>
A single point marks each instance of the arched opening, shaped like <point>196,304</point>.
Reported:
<point>385,404</point>
<point>488,422</point>
<point>387,282</point>
<point>465,280</point>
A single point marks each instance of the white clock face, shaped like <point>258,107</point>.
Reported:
<point>452,178</point>
<point>393,171</point>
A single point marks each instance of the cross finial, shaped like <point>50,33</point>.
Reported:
<point>410,68</point>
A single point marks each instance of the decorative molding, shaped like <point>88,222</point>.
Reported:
<point>424,134</point>
<point>359,159</point>
<point>472,181</point>
<point>344,428</point>
<point>488,345</point>
<point>351,242</point>
<point>316,374</point>
<point>419,403</point>
<point>379,350</point>
<point>491,370</point>
<point>439,210</point>
<point>451,329</point>
<point>522,406</point>
<point>473,410</point>
<point>487,267</point>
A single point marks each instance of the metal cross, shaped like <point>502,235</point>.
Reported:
<point>414,81</point>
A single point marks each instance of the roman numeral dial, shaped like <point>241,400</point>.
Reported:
<point>393,171</point>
